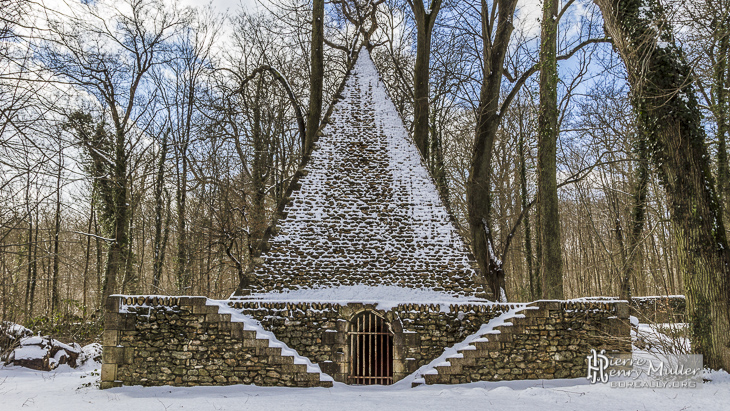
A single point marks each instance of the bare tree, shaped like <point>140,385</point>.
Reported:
<point>110,62</point>
<point>425,20</point>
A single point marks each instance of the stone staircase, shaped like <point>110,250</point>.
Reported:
<point>292,366</point>
<point>220,347</point>
<point>543,340</point>
<point>465,362</point>
<point>289,367</point>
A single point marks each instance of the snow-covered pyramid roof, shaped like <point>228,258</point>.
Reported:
<point>367,212</point>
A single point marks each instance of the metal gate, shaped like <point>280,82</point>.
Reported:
<point>371,350</point>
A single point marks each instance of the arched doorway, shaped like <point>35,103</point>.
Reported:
<point>371,350</point>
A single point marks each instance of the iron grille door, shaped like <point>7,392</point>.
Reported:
<point>371,351</point>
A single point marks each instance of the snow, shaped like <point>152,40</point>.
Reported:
<point>37,347</point>
<point>29,352</point>
<point>67,389</point>
<point>14,329</point>
<point>654,338</point>
<point>385,297</point>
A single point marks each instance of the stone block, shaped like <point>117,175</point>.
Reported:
<point>128,322</point>
<point>281,359</point>
<point>328,337</point>
<point>225,326</point>
<point>503,337</point>
<point>128,355</point>
<point>449,369</point>
<point>112,355</point>
<point>112,304</point>
<point>622,310</point>
<point>192,301</point>
<point>104,385</point>
<point>205,309</point>
<point>112,321</point>
<point>110,338</point>
<point>268,351</point>
<point>411,339</point>
<point>329,367</point>
<point>254,343</point>
<point>108,372</point>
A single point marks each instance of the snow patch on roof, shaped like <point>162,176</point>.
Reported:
<point>385,297</point>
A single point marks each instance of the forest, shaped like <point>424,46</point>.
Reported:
<point>580,145</point>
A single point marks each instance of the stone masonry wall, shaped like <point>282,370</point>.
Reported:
<point>319,330</point>
<point>182,341</point>
<point>155,343</point>
<point>659,309</point>
<point>551,341</point>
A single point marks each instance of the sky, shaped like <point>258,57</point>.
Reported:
<point>222,5</point>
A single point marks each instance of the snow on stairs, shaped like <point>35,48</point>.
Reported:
<point>301,369</point>
<point>458,364</point>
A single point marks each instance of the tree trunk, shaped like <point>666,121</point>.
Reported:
<point>535,286</point>
<point>317,77</point>
<point>99,281</point>
<point>436,164</point>
<point>479,185</point>
<point>424,25</point>
<point>638,218</point>
<point>259,170</point>
<point>88,252</point>
<point>669,116</point>
<point>30,283</point>
<point>551,265</point>
<point>55,299</point>
<point>182,243</point>
<point>130,281</point>
<point>720,90</point>
<point>118,248</point>
<point>157,258</point>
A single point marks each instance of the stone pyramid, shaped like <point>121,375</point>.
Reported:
<point>367,211</point>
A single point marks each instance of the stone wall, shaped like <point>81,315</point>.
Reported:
<point>181,341</point>
<point>319,330</point>
<point>549,340</point>
<point>659,309</point>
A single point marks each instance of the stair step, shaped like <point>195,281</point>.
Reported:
<point>503,337</point>
<point>436,379</point>
<point>271,351</point>
<point>282,359</point>
<point>294,368</point>
<point>461,362</point>
<point>448,369</point>
<point>471,354</point>
<point>418,382</point>
<point>256,343</point>
<point>487,346</point>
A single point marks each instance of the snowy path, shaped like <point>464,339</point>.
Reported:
<point>23,389</point>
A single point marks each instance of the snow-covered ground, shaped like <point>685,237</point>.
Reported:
<point>75,390</point>
<point>67,389</point>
